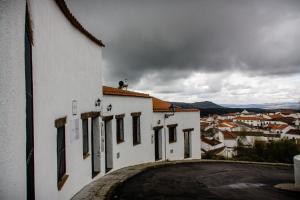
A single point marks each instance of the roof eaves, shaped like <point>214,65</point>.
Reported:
<point>66,11</point>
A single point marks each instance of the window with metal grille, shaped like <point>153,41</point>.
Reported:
<point>85,137</point>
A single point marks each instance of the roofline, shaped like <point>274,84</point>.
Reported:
<point>180,110</point>
<point>66,11</point>
<point>124,93</point>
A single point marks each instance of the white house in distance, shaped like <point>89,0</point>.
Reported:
<point>230,142</point>
<point>250,120</point>
<point>46,84</point>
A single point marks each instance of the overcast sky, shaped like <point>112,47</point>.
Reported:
<point>225,51</point>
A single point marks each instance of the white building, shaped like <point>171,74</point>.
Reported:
<point>123,112</point>
<point>179,131</point>
<point>58,133</point>
<point>291,134</point>
<point>162,135</point>
<point>250,120</point>
<point>230,142</point>
<point>46,83</point>
<point>211,146</point>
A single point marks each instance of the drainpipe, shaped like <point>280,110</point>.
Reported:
<point>165,138</point>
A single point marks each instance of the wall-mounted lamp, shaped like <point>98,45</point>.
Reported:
<point>109,107</point>
<point>97,102</point>
<point>172,108</point>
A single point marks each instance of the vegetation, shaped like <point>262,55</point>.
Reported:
<point>281,151</point>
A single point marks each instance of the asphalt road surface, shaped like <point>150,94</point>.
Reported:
<point>195,181</point>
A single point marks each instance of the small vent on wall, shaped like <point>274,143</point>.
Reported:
<point>118,155</point>
<point>171,151</point>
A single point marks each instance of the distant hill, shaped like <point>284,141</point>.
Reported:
<point>209,108</point>
<point>283,105</point>
<point>198,105</point>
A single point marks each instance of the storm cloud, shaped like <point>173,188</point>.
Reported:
<point>157,44</point>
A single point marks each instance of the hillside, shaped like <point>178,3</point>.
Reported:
<point>209,108</point>
<point>199,105</point>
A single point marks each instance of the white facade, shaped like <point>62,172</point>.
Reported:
<point>184,120</point>
<point>67,81</point>
<point>209,147</point>
<point>230,145</point>
<point>62,73</point>
<point>12,104</point>
<point>129,154</point>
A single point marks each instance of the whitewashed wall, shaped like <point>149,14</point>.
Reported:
<point>12,100</point>
<point>66,67</point>
<point>130,154</point>
<point>184,120</point>
<point>208,147</point>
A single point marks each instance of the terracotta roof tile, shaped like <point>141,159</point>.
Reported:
<point>276,116</point>
<point>211,142</point>
<point>277,126</point>
<point>249,118</point>
<point>293,132</point>
<point>119,92</point>
<point>229,135</point>
<point>164,106</point>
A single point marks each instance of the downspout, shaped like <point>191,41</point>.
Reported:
<point>165,138</point>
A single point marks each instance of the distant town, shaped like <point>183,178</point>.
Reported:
<point>223,134</point>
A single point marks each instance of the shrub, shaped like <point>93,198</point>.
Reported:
<point>275,151</point>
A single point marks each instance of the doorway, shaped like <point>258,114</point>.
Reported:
<point>157,144</point>
<point>108,145</point>
<point>95,147</point>
<point>187,148</point>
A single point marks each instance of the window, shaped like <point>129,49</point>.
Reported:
<point>136,129</point>
<point>172,133</point>
<point>120,128</point>
<point>61,152</point>
<point>85,137</point>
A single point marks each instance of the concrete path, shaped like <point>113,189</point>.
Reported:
<point>103,188</point>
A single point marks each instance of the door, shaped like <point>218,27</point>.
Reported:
<point>108,146</point>
<point>187,149</point>
<point>95,147</point>
<point>156,144</point>
<point>29,112</point>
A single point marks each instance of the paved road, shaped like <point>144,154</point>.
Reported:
<point>228,181</point>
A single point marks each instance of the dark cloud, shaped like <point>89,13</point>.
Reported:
<point>173,38</point>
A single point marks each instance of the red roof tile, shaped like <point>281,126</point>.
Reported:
<point>164,106</point>
<point>211,142</point>
<point>249,118</point>
<point>229,135</point>
<point>276,116</point>
<point>119,92</point>
<point>277,126</point>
